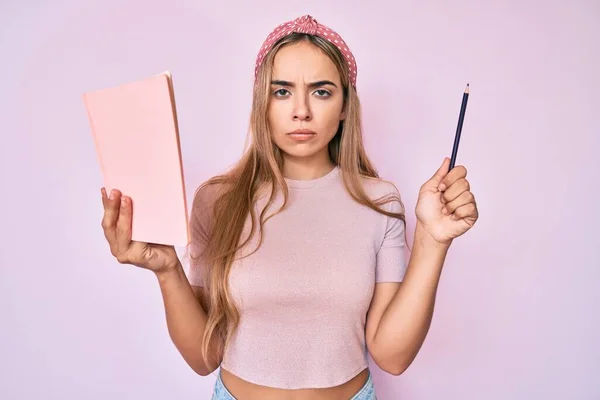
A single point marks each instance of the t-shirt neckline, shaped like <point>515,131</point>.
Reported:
<point>313,183</point>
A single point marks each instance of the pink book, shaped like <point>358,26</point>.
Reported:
<point>134,127</point>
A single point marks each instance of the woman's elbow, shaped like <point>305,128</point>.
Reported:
<point>395,370</point>
<point>393,366</point>
<point>202,369</point>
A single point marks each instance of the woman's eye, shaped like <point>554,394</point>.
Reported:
<point>322,93</point>
<point>281,92</point>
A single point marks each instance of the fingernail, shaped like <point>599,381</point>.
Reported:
<point>444,211</point>
<point>442,187</point>
<point>112,194</point>
<point>123,202</point>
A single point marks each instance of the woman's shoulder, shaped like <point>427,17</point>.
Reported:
<point>384,193</point>
<point>378,186</point>
<point>208,191</point>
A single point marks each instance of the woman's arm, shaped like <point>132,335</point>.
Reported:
<point>185,308</point>
<point>186,318</point>
<point>407,309</point>
<point>402,314</point>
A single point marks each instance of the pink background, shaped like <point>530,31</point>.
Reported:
<point>516,314</point>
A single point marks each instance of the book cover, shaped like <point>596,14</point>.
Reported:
<point>135,131</point>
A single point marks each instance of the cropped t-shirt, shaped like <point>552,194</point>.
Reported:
<point>304,295</point>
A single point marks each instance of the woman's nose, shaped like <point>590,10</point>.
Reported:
<point>302,111</point>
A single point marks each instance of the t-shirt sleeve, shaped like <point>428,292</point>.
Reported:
<point>391,262</point>
<point>200,219</point>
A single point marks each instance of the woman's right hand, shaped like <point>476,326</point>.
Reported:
<point>116,224</point>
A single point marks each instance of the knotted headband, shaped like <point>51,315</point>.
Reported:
<point>307,24</point>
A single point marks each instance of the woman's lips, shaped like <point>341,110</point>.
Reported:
<point>302,134</point>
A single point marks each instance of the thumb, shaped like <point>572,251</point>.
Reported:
<point>442,171</point>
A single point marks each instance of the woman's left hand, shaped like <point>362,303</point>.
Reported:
<point>446,207</point>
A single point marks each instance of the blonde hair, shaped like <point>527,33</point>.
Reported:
<point>260,165</point>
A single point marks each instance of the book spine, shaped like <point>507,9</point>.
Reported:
<point>96,145</point>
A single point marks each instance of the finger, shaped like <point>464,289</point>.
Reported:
<point>456,189</point>
<point>464,198</point>
<point>109,220</point>
<point>441,172</point>
<point>467,211</point>
<point>124,226</point>
<point>457,173</point>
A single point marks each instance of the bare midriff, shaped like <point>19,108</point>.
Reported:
<point>244,390</point>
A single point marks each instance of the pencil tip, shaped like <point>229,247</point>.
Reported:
<point>467,88</point>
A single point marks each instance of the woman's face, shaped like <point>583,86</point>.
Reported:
<point>306,95</point>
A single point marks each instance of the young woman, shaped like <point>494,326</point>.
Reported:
<point>298,253</point>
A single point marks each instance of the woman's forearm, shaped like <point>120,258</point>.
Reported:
<point>406,321</point>
<point>185,316</point>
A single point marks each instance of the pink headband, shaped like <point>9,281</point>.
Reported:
<point>307,24</point>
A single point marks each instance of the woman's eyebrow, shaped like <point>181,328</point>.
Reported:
<point>310,85</point>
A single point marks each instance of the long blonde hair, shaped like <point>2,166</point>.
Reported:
<point>260,165</point>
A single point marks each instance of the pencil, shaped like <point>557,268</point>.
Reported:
<point>461,118</point>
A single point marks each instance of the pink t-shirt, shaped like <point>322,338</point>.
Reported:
<point>304,295</point>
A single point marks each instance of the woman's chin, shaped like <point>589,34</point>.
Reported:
<point>301,151</point>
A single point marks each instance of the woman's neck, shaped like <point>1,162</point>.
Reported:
<point>303,168</point>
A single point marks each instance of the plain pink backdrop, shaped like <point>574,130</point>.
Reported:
<point>516,315</point>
